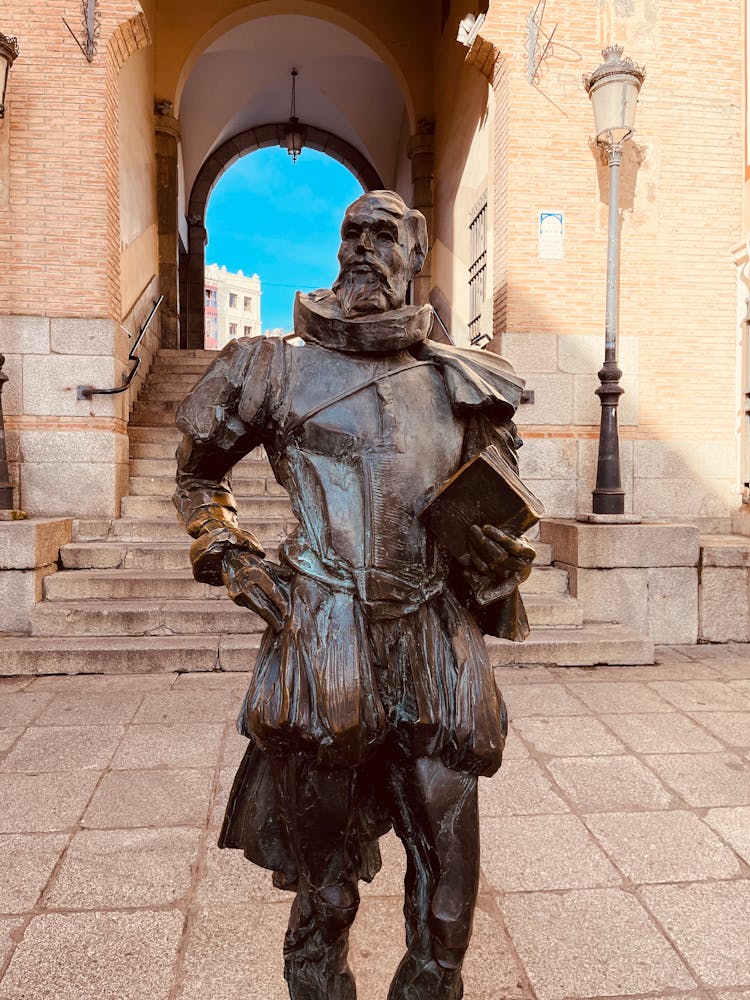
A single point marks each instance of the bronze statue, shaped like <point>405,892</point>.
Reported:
<point>372,703</point>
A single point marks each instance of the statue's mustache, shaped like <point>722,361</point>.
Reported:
<point>366,265</point>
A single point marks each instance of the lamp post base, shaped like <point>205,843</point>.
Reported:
<point>608,518</point>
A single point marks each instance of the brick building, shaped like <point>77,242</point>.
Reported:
<point>106,168</point>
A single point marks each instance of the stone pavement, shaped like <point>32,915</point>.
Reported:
<point>616,842</point>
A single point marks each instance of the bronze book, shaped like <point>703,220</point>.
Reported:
<point>487,490</point>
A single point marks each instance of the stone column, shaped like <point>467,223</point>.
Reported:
<point>422,155</point>
<point>196,285</point>
<point>167,131</point>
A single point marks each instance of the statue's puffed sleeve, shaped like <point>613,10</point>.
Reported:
<point>216,437</point>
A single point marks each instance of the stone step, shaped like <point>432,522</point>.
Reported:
<point>260,505</point>
<point>142,617</point>
<point>154,434</point>
<point>143,529</point>
<point>591,645</point>
<point>165,451</point>
<point>546,580</point>
<point>179,353</point>
<point>23,655</point>
<point>119,654</point>
<point>553,610</point>
<point>245,469</point>
<point>144,555</point>
<point>161,615</point>
<point>164,486</point>
<point>155,408</point>
<point>149,419</point>
<point>128,584</point>
<point>725,551</point>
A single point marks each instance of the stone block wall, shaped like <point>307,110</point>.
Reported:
<point>29,551</point>
<point>643,575</point>
<point>680,219</point>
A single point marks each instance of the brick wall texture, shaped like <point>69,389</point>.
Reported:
<point>59,226</point>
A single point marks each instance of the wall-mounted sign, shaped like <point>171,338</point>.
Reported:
<point>550,235</point>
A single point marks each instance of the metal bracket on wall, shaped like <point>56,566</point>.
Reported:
<point>91,24</point>
<point>527,396</point>
<point>539,44</point>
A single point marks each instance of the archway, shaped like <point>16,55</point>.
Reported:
<point>236,99</point>
<point>192,306</point>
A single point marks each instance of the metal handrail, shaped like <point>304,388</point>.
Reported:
<point>87,391</point>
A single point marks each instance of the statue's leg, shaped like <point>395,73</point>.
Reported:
<point>318,806</point>
<point>436,816</point>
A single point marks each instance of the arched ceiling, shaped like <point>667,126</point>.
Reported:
<point>243,80</point>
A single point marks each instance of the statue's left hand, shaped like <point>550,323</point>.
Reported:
<point>257,584</point>
<point>497,562</point>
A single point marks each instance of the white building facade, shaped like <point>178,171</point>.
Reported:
<point>232,306</point>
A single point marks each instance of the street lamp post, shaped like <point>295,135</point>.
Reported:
<point>613,88</point>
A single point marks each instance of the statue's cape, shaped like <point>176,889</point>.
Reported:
<point>475,379</point>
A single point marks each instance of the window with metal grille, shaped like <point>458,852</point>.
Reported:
<point>477,268</point>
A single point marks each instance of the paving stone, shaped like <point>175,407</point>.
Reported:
<point>734,826</point>
<point>8,684</point>
<point>235,952</point>
<point>377,945</point>
<point>741,685</point>
<point>90,956</point>
<point>514,749</point>
<point>63,748</point>
<point>8,737</point>
<point>28,860</point>
<point>91,708</point>
<point>524,675</point>
<point>708,923</point>
<point>124,868</point>
<point>230,878</point>
<point>9,931</point>
<point>519,788</point>
<point>104,682</point>
<point>540,699</point>
<point>390,879</point>
<point>234,748</point>
<point>738,669</point>
<point>19,708</point>
<point>219,801</point>
<point>591,943</point>
<point>528,853</point>
<point>569,736</point>
<point>661,732</point>
<point>609,783</point>
<point>706,779</point>
<point>731,727</point>
<point>672,846</point>
<point>703,696</point>
<point>619,696</point>
<point>150,798</point>
<point>39,803</point>
<point>216,679</point>
<point>190,745</point>
<point>185,705</point>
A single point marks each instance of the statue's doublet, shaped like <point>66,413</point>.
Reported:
<point>376,645</point>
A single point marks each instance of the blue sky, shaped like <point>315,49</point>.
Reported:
<point>280,219</point>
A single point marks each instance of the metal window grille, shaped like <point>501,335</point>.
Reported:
<point>477,268</point>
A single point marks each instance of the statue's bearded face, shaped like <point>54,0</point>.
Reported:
<point>376,258</point>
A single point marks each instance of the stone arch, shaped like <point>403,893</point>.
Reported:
<point>309,8</point>
<point>260,137</point>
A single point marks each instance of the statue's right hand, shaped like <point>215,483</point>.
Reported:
<point>256,584</point>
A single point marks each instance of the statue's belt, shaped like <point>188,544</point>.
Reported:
<point>297,422</point>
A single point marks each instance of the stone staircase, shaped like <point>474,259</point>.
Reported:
<point>126,601</point>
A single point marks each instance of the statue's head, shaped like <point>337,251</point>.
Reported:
<point>383,245</point>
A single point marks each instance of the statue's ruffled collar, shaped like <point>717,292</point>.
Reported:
<point>318,319</point>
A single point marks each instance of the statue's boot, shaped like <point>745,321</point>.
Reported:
<point>419,977</point>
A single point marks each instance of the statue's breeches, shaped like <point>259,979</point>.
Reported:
<point>336,681</point>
